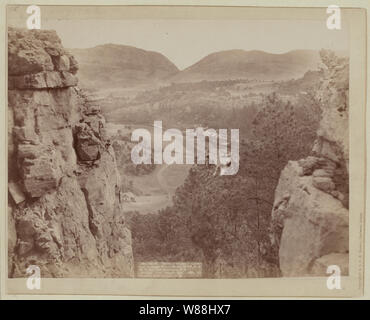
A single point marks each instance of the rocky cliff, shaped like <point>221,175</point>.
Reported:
<point>310,212</point>
<point>64,188</point>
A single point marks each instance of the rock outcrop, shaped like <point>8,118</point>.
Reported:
<point>310,212</point>
<point>65,212</point>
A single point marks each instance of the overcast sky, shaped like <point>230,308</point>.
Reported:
<point>185,42</point>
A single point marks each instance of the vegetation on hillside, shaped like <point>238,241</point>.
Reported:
<point>224,221</point>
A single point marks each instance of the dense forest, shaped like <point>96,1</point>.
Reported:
<point>224,221</point>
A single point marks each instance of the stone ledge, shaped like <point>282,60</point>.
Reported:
<point>43,80</point>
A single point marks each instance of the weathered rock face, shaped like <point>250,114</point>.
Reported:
<point>310,213</point>
<point>65,213</point>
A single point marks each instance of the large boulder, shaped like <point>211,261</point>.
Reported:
<point>313,222</point>
<point>88,145</point>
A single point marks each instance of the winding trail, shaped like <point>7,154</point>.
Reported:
<point>163,197</point>
<point>162,181</point>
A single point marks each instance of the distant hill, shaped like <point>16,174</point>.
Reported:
<point>111,65</point>
<point>120,66</point>
<point>241,64</point>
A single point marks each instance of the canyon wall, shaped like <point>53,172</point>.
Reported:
<point>65,211</point>
<point>310,213</point>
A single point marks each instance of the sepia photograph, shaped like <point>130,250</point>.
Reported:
<point>184,145</point>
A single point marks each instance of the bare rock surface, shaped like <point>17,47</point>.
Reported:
<point>65,213</point>
<point>313,222</point>
<point>341,260</point>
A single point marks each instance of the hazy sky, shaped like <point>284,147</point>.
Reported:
<point>185,42</point>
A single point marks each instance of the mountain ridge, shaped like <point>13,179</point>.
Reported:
<point>116,65</point>
<point>251,64</point>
